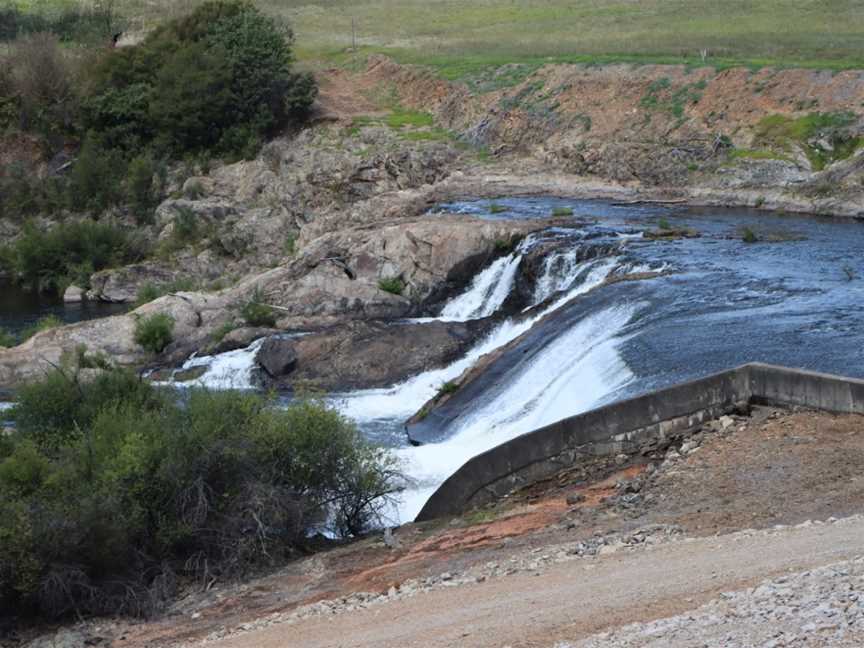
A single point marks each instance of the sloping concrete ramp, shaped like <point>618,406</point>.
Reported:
<point>628,426</point>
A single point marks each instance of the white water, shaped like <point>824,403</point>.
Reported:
<point>6,406</point>
<point>405,399</point>
<point>559,273</point>
<point>572,375</point>
<point>486,293</point>
<point>230,370</point>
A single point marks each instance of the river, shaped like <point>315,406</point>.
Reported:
<point>587,341</point>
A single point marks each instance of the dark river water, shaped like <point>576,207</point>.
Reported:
<point>20,309</point>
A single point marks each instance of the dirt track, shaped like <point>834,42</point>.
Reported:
<point>576,599</point>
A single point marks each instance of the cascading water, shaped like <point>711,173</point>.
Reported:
<point>230,370</point>
<point>405,399</point>
<point>570,376</point>
<point>486,293</point>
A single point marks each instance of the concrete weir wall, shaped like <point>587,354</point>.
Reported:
<point>630,425</point>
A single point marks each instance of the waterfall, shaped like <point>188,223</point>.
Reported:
<point>405,399</point>
<point>559,273</point>
<point>486,293</point>
<point>230,370</point>
<point>570,376</point>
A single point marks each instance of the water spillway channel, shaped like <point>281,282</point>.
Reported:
<point>606,312</point>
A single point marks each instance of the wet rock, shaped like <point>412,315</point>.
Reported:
<point>377,354</point>
<point>277,356</point>
<point>241,338</point>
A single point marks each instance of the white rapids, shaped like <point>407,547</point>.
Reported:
<point>572,374</point>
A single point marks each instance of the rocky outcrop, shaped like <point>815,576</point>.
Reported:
<point>277,356</point>
<point>121,285</point>
<point>367,354</point>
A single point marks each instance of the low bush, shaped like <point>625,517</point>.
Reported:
<point>110,490</point>
<point>256,313</point>
<point>749,236</point>
<point>69,253</point>
<point>152,291</point>
<point>154,332</point>
<point>392,285</point>
<point>562,211</point>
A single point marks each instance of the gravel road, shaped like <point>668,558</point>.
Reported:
<point>567,602</point>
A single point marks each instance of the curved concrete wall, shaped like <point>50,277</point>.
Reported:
<point>628,425</point>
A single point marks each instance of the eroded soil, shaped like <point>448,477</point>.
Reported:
<point>751,472</point>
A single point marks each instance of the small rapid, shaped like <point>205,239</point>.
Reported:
<point>486,293</point>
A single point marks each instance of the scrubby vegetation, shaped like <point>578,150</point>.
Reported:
<point>111,491</point>
<point>68,253</point>
<point>392,285</point>
<point>256,313</point>
<point>154,332</point>
<point>824,137</point>
<point>111,122</point>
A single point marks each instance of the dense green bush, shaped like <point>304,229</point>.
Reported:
<point>392,285</point>
<point>218,79</point>
<point>110,490</point>
<point>92,22</point>
<point>154,332</point>
<point>68,253</point>
<point>256,313</point>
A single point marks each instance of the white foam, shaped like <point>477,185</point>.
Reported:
<point>230,370</point>
<point>571,375</point>
<point>486,293</point>
<point>405,399</point>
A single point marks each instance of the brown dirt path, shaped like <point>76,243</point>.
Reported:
<point>572,600</point>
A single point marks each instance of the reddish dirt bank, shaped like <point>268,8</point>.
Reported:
<point>756,472</point>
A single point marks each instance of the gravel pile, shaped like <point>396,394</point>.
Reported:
<point>823,607</point>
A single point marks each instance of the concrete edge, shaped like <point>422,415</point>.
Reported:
<point>622,426</point>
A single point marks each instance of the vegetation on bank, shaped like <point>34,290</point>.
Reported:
<point>111,491</point>
<point>111,123</point>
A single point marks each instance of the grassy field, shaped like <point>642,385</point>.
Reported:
<point>461,36</point>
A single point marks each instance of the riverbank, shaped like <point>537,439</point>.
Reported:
<point>767,484</point>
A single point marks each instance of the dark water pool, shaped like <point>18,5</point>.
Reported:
<point>20,309</point>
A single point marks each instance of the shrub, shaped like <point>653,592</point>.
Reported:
<point>96,179</point>
<point>43,81</point>
<point>392,285</point>
<point>562,211</point>
<point>152,291</point>
<point>663,223</point>
<point>141,187</point>
<point>749,236</point>
<point>7,340</point>
<point>111,490</point>
<point>218,79</point>
<point>154,332</point>
<point>257,313</point>
<point>495,208</point>
<point>69,252</point>
<point>449,387</point>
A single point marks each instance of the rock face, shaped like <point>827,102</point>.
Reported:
<point>122,285</point>
<point>73,295</point>
<point>374,354</point>
<point>277,356</point>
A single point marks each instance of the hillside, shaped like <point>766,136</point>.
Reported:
<point>458,37</point>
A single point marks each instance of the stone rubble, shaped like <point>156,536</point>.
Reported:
<point>535,561</point>
<point>823,607</point>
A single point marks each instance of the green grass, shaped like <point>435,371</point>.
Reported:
<point>562,211</point>
<point>782,132</point>
<point>495,208</point>
<point>392,285</point>
<point>757,154</point>
<point>463,40</point>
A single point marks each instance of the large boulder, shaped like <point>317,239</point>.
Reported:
<point>121,285</point>
<point>277,356</point>
<point>373,354</point>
